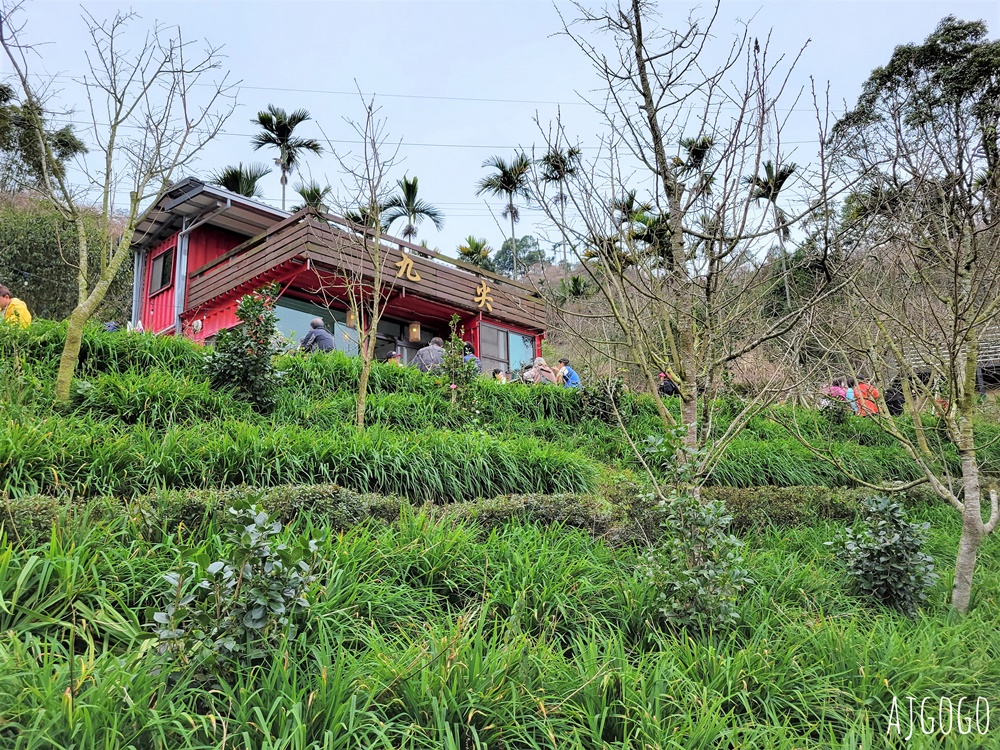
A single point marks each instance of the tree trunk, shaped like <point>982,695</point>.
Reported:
<point>972,533</point>
<point>513,240</point>
<point>70,353</point>
<point>367,353</point>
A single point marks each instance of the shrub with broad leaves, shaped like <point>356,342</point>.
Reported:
<point>885,557</point>
<point>243,358</point>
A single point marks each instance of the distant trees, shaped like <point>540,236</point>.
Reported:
<point>242,180</point>
<point>407,205</point>
<point>516,257</point>
<point>21,150</point>
<point>277,130</point>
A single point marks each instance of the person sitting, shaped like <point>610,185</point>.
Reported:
<point>430,357</point>
<point>850,394</point>
<point>469,355</point>
<point>395,358</point>
<point>500,376</point>
<point>567,375</point>
<point>318,339</point>
<point>667,386</point>
<point>15,312</point>
<point>836,390</point>
<point>867,396</point>
<point>544,373</point>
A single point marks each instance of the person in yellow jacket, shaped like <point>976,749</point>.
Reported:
<point>14,310</point>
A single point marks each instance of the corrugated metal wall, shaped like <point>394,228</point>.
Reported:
<point>158,309</point>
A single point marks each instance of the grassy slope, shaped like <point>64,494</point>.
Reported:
<point>433,633</point>
<point>429,633</point>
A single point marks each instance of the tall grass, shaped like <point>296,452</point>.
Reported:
<point>431,634</point>
<point>88,457</point>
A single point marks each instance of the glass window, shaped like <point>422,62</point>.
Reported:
<point>294,317</point>
<point>522,351</point>
<point>507,350</point>
<point>162,272</point>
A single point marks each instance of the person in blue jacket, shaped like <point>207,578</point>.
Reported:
<point>567,375</point>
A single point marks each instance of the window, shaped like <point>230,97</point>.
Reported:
<point>294,317</point>
<point>507,350</point>
<point>493,348</point>
<point>162,272</point>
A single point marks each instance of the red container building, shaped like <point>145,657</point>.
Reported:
<point>201,248</point>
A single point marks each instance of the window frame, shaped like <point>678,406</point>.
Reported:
<point>152,269</point>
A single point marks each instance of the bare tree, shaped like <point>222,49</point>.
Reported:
<point>152,106</point>
<point>680,275</point>
<point>366,266</point>
<point>924,135</point>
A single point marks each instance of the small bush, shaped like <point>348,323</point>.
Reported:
<point>885,558</point>
<point>231,609</point>
<point>243,358</point>
<point>695,568</point>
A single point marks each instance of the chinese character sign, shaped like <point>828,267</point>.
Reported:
<point>405,266</point>
<point>483,298</point>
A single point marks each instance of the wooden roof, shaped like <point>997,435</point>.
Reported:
<point>309,239</point>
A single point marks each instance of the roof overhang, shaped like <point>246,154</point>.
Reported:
<point>191,199</point>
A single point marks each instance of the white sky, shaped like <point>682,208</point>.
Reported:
<point>461,80</point>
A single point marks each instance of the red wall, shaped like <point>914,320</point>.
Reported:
<point>208,243</point>
<point>158,310</point>
<point>212,320</point>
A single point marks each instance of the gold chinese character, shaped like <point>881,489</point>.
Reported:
<point>405,266</point>
<point>482,296</point>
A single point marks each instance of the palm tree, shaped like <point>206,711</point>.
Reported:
<point>558,167</point>
<point>313,196</point>
<point>277,127</point>
<point>406,205</point>
<point>477,252</point>
<point>768,187</point>
<point>367,217</point>
<point>242,180</point>
<point>509,181</point>
<point>573,288</point>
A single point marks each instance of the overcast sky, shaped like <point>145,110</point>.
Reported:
<point>459,81</point>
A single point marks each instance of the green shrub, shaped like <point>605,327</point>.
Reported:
<point>694,569</point>
<point>232,608</point>
<point>577,511</point>
<point>783,507</point>
<point>884,556</point>
<point>243,357</point>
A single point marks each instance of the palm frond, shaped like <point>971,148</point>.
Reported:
<point>241,180</point>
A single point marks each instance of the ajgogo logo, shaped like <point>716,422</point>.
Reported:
<point>939,717</point>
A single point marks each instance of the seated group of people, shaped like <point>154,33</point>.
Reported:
<point>430,357</point>
<point>862,396</point>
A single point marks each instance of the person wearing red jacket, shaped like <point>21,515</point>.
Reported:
<point>867,397</point>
